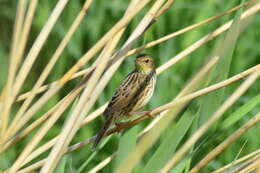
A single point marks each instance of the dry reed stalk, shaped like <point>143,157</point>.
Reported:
<point>47,86</point>
<point>111,45</point>
<point>209,37</point>
<point>253,165</point>
<point>36,47</point>
<point>48,69</point>
<point>33,53</point>
<point>76,117</point>
<point>163,120</point>
<point>25,32</point>
<point>57,86</point>
<point>255,153</point>
<point>193,139</point>
<point>243,166</point>
<point>188,28</point>
<point>174,103</point>
<point>200,42</point>
<point>148,45</point>
<point>102,164</point>
<point>189,87</point>
<point>148,140</point>
<point>85,103</point>
<point>42,132</point>
<point>216,151</point>
<point>7,91</point>
<point>100,44</point>
<point>53,89</point>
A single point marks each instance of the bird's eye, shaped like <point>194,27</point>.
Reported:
<point>146,61</point>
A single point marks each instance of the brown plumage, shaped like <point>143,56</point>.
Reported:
<point>133,93</point>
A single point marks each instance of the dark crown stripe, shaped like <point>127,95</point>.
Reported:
<point>142,55</point>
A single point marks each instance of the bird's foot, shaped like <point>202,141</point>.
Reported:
<point>147,113</point>
<point>120,126</point>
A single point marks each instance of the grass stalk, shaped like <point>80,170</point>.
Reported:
<point>158,41</point>
<point>221,147</point>
<point>49,66</point>
<point>193,139</point>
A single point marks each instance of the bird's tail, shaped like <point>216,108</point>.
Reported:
<point>102,132</point>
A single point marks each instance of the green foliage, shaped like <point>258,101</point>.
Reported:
<point>101,17</point>
<point>169,144</point>
<point>127,143</point>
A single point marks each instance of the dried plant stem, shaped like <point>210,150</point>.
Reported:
<point>45,87</point>
<point>253,165</point>
<point>100,44</point>
<point>76,117</point>
<point>255,153</point>
<point>110,46</point>
<point>48,69</point>
<point>36,47</point>
<point>84,105</point>
<point>196,45</point>
<point>25,32</point>
<point>244,165</point>
<point>153,43</point>
<point>162,121</point>
<point>173,103</point>
<point>20,50</point>
<point>191,27</point>
<point>181,100</point>
<point>213,153</point>
<point>31,168</point>
<point>42,131</point>
<point>6,93</point>
<point>193,139</point>
<point>187,89</point>
<point>155,111</point>
<point>57,86</point>
<point>102,164</point>
<point>164,8</point>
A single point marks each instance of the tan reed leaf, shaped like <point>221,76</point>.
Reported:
<point>217,150</point>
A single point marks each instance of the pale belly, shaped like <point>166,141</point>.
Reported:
<point>148,91</point>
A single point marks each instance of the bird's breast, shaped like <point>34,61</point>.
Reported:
<point>146,94</point>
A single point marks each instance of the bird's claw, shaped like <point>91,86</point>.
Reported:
<point>119,126</point>
<point>147,113</point>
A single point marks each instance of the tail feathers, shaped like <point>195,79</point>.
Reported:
<point>101,133</point>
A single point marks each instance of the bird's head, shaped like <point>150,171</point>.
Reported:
<point>144,63</point>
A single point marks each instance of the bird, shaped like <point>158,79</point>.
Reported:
<point>133,93</point>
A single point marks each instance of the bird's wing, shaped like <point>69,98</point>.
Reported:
<point>126,92</point>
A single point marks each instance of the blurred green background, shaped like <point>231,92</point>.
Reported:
<point>100,18</point>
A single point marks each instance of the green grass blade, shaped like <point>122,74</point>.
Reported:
<point>61,168</point>
<point>225,51</point>
<point>92,156</point>
<point>239,113</point>
<point>169,144</point>
<point>126,144</point>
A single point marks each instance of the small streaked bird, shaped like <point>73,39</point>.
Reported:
<point>133,93</point>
